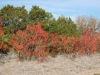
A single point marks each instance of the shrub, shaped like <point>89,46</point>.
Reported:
<point>37,43</point>
<point>3,47</point>
<point>86,44</point>
<point>30,42</point>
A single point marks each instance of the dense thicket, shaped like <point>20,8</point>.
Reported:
<point>14,18</point>
<point>36,43</point>
<point>38,34</point>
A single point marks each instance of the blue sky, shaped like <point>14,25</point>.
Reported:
<point>72,8</point>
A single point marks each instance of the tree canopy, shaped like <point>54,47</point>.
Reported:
<point>13,18</point>
<point>38,14</point>
<point>86,22</point>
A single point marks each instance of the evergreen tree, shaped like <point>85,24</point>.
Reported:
<point>67,26</point>
<point>38,14</point>
<point>13,18</point>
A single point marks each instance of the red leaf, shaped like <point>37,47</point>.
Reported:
<point>5,47</point>
<point>42,59</point>
<point>1,31</point>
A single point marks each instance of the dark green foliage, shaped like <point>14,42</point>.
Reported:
<point>63,26</point>
<point>54,54</point>
<point>38,14</point>
<point>51,26</point>
<point>13,18</point>
<point>67,26</point>
<point>5,38</point>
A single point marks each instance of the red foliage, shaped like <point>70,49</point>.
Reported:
<point>86,44</point>
<point>0,21</point>
<point>42,59</point>
<point>53,43</point>
<point>34,41</point>
<point>31,42</point>
<point>67,44</point>
<point>5,47</point>
<point>36,53</point>
<point>1,31</point>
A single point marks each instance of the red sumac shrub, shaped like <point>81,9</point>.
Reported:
<point>5,47</point>
<point>86,44</point>
<point>35,42</point>
<point>53,42</point>
<point>1,31</point>
<point>67,44</point>
<point>30,42</point>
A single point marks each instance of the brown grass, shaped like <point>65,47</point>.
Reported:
<point>82,65</point>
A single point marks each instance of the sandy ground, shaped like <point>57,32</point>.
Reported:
<point>82,65</point>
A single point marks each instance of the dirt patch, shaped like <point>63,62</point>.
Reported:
<point>82,65</point>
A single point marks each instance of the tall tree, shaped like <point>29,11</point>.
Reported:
<point>87,22</point>
<point>13,17</point>
<point>38,14</point>
<point>21,17</point>
<point>67,26</point>
<point>63,25</point>
<point>6,14</point>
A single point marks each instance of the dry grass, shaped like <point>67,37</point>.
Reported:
<point>82,65</point>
